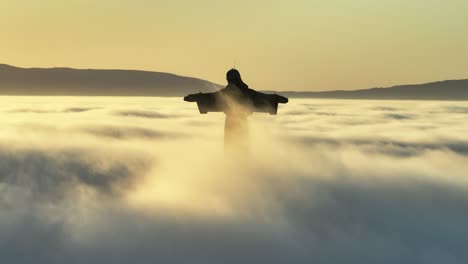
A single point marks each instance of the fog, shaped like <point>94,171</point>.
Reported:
<point>145,180</point>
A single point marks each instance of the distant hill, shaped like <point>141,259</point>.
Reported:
<point>444,90</point>
<point>66,81</point>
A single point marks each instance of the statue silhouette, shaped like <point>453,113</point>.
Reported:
<point>238,102</point>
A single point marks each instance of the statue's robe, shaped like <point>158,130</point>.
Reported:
<point>237,104</point>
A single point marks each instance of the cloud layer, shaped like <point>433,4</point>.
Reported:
<point>145,180</point>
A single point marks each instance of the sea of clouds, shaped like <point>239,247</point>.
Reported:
<point>145,180</point>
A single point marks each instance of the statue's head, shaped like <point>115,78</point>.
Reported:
<point>233,76</point>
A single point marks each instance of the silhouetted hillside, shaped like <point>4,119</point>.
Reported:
<point>444,90</point>
<point>66,81</point>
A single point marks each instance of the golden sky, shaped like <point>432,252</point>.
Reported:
<point>280,45</point>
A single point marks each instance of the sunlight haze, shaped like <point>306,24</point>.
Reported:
<point>127,137</point>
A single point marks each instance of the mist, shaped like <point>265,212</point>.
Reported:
<point>145,180</point>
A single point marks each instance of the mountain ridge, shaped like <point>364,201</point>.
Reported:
<point>121,82</point>
<point>97,82</point>
<point>438,90</point>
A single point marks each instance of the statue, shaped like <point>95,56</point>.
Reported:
<point>237,101</point>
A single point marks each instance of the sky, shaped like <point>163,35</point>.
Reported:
<point>306,45</point>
